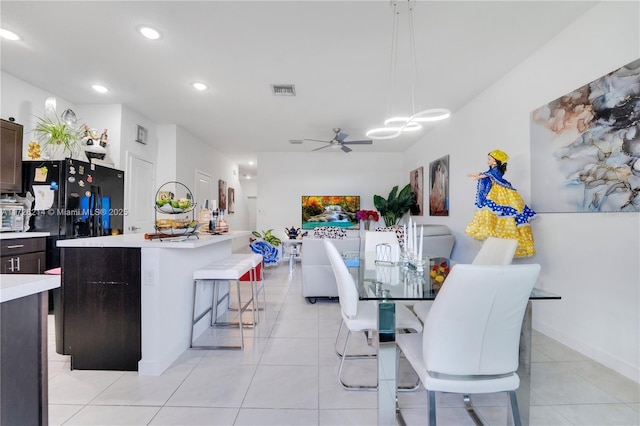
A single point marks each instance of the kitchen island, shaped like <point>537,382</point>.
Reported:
<point>126,301</point>
<point>23,357</point>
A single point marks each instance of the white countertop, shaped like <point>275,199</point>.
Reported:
<point>14,235</point>
<point>138,241</point>
<point>15,286</point>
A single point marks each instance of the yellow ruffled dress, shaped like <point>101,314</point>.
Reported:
<point>501,213</point>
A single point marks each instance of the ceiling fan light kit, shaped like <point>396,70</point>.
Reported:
<point>397,125</point>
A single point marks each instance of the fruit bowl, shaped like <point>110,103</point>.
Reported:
<point>176,227</point>
<point>180,231</point>
<point>168,208</point>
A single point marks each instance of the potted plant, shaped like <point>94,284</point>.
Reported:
<point>54,133</point>
<point>395,205</point>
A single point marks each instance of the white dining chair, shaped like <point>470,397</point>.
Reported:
<point>374,238</point>
<point>494,251</point>
<point>359,315</point>
<point>470,342</point>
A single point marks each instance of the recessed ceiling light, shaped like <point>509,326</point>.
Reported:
<point>199,86</point>
<point>149,32</point>
<point>9,35</point>
<point>251,163</point>
<point>100,88</point>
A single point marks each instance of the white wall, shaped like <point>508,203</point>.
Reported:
<point>286,177</point>
<point>175,152</point>
<point>193,154</point>
<point>102,117</point>
<point>25,102</point>
<point>590,259</point>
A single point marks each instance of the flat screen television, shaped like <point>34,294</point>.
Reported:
<point>330,210</point>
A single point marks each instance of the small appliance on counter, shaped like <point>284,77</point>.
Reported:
<point>12,216</point>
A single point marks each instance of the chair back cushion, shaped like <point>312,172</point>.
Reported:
<point>373,238</point>
<point>347,291</point>
<point>496,251</point>
<point>473,326</point>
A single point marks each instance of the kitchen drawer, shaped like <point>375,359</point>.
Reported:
<point>22,245</point>
<point>28,263</point>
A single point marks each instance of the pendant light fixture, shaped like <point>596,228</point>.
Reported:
<point>397,124</point>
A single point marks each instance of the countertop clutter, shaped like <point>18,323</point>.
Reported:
<point>138,241</point>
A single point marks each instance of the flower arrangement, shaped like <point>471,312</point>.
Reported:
<point>367,215</point>
<point>438,273</point>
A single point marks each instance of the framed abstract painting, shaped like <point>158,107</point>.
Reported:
<point>585,147</point>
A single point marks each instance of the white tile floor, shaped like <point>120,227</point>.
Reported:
<point>286,375</point>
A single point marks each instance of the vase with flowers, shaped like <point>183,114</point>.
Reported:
<point>438,273</point>
<point>367,216</point>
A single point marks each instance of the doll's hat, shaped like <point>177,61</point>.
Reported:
<point>501,156</point>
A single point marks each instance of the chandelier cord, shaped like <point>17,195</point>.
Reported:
<point>393,63</point>
<point>414,62</point>
<point>394,125</point>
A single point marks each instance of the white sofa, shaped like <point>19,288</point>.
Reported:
<point>318,280</point>
<point>438,241</point>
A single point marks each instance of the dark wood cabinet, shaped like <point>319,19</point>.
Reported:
<point>101,307</point>
<point>23,255</point>
<point>11,158</point>
<point>23,361</point>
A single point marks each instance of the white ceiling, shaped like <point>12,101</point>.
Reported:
<point>336,53</point>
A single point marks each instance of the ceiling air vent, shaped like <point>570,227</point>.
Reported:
<point>283,89</point>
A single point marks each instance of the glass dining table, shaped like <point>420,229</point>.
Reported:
<point>390,282</point>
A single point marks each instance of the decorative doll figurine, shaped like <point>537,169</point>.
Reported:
<point>104,139</point>
<point>501,211</point>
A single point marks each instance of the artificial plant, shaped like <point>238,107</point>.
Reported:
<point>395,205</point>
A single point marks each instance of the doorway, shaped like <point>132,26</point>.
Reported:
<point>141,191</point>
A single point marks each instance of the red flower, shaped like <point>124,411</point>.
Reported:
<point>367,215</point>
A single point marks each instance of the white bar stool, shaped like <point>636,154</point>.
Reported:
<point>256,277</point>
<point>223,270</point>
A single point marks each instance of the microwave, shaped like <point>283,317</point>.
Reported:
<point>12,217</point>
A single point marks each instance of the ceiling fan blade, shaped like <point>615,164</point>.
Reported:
<point>340,137</point>
<point>345,148</point>
<point>322,147</point>
<point>363,142</point>
<point>316,140</point>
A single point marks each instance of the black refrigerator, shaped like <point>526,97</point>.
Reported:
<point>73,199</point>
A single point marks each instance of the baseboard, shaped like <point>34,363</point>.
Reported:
<point>630,371</point>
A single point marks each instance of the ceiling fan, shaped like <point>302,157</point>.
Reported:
<point>338,141</point>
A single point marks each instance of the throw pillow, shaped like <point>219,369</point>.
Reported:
<point>330,232</point>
